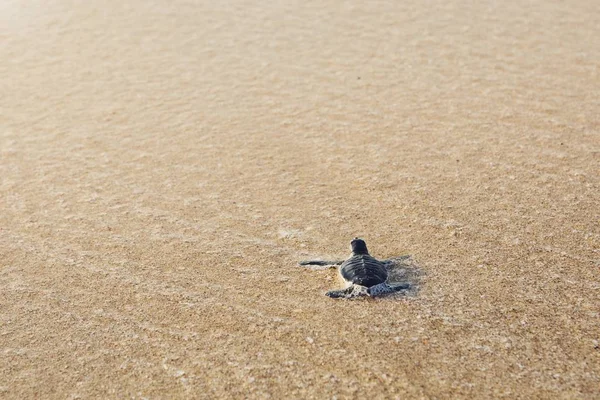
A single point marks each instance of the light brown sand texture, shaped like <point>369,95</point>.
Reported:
<point>164,165</point>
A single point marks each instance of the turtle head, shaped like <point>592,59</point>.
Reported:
<point>359,246</point>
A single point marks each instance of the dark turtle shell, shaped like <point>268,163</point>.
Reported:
<point>364,270</point>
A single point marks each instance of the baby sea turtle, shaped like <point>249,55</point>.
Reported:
<point>364,275</point>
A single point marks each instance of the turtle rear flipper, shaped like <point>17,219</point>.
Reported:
<point>350,292</point>
<point>336,294</point>
<point>386,288</point>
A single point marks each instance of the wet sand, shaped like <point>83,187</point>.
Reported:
<point>164,165</point>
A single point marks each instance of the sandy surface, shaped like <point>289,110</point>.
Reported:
<point>165,164</point>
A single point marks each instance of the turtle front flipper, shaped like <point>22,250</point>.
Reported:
<point>318,265</point>
<point>321,262</point>
<point>386,288</point>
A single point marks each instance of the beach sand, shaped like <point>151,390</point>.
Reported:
<point>164,165</point>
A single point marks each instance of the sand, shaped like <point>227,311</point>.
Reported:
<point>165,164</point>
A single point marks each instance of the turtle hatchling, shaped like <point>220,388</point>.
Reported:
<point>363,274</point>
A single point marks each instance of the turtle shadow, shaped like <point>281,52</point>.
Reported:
<point>404,269</point>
